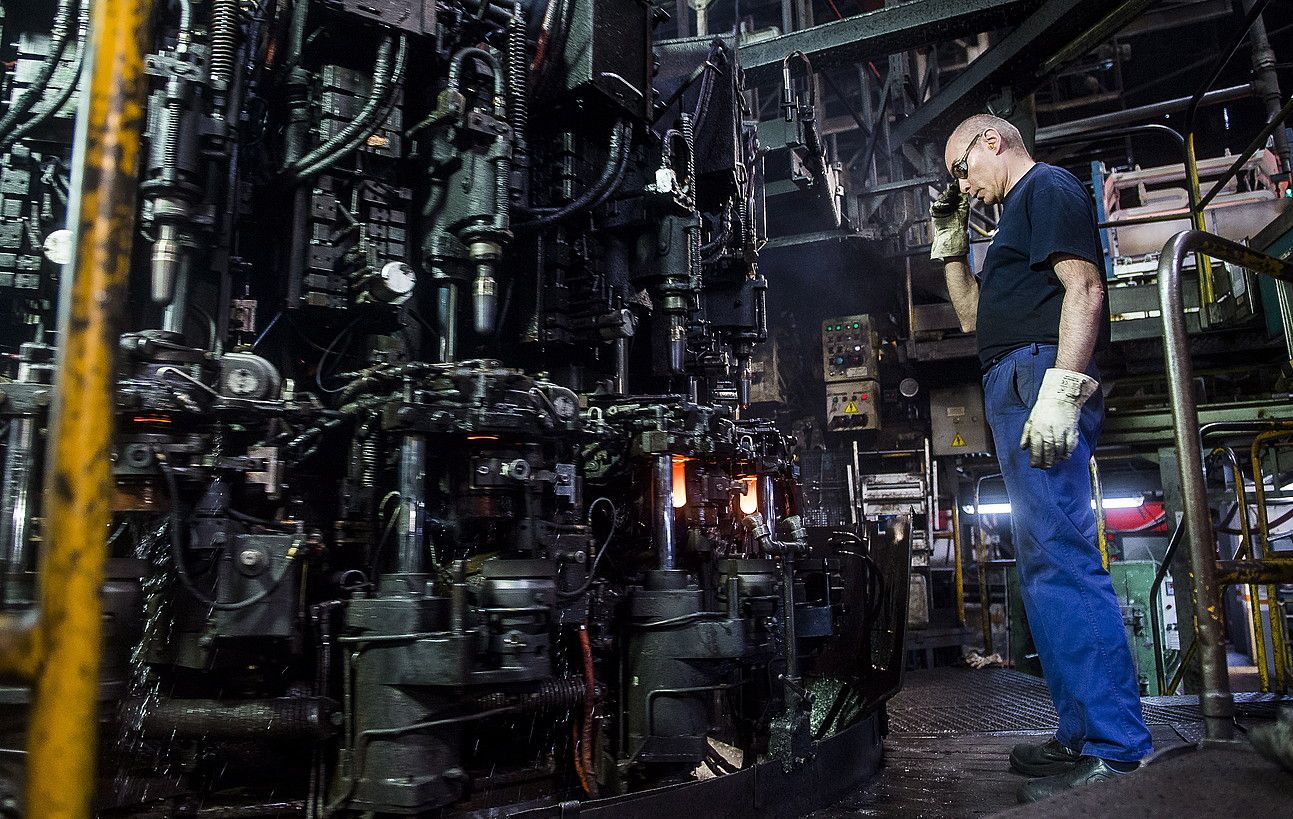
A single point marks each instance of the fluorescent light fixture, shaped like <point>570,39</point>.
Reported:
<point>1004,508</point>
<point>1122,503</point>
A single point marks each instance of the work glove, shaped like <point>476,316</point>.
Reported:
<point>949,218</point>
<point>1051,431</point>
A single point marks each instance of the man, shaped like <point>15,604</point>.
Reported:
<point>1038,309</point>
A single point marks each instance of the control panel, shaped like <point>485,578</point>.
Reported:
<point>851,405</point>
<point>849,349</point>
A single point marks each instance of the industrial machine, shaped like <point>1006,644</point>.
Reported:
<point>433,487</point>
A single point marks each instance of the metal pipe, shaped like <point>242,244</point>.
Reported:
<point>1267,81</point>
<point>1278,642</point>
<point>958,563</point>
<point>19,485</point>
<point>662,510</point>
<point>1206,290</point>
<point>1259,141</point>
<point>1098,124</point>
<point>1216,701</point>
<point>63,727</point>
<point>1245,547</point>
<point>1173,543</point>
<point>447,319</point>
<point>412,529</point>
<point>1101,533</point>
<point>981,558</point>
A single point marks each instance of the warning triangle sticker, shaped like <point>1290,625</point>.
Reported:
<point>851,408</point>
<point>958,440</point>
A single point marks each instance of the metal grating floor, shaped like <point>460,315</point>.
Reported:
<point>950,734</point>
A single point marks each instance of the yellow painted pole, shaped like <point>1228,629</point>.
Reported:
<point>1101,530</point>
<point>1202,263</point>
<point>62,735</point>
<point>958,561</point>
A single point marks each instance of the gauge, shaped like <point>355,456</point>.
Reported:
<point>58,246</point>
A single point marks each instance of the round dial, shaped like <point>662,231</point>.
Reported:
<point>242,381</point>
<point>58,246</point>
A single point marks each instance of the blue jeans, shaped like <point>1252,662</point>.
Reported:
<point>1072,609</point>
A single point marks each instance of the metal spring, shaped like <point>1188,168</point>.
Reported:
<point>562,693</point>
<point>224,41</point>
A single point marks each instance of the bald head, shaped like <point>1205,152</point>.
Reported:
<point>994,153</point>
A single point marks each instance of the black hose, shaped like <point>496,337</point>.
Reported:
<point>619,148</point>
<point>60,33</point>
<point>385,78</point>
<point>55,105</point>
<point>181,567</point>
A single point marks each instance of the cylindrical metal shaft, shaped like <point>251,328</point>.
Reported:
<point>662,510</point>
<point>412,529</point>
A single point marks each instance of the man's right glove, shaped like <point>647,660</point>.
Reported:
<point>1051,431</point>
<point>949,217</point>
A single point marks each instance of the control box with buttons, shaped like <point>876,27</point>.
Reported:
<point>851,406</point>
<point>849,349</point>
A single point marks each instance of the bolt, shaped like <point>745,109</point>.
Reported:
<point>250,558</point>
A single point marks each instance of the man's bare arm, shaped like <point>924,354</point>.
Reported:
<point>964,290</point>
<point>1080,312</point>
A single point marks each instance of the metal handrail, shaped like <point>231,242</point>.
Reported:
<point>1215,699</point>
<point>1155,624</point>
<point>57,648</point>
<point>1278,638</point>
<point>1245,547</point>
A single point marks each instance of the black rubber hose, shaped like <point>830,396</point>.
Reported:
<point>365,122</point>
<point>280,718</point>
<point>181,566</point>
<point>60,33</point>
<point>54,106</point>
<point>619,146</point>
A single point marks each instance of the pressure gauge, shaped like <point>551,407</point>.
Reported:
<point>393,284</point>
<point>242,382</point>
<point>248,376</point>
<point>58,246</point>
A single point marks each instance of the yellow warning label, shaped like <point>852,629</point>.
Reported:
<point>958,440</point>
<point>851,408</point>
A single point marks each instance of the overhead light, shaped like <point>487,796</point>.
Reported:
<point>1004,508</point>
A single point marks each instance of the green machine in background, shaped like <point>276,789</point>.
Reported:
<point>1132,580</point>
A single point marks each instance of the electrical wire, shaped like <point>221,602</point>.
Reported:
<point>365,122</point>
<point>601,550</point>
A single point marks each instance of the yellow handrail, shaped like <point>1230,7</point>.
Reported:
<point>57,648</point>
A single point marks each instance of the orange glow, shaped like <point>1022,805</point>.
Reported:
<point>679,481</point>
<point>482,437</point>
<point>749,501</point>
<point>151,419</point>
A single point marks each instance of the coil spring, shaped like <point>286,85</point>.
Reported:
<point>224,41</point>
<point>563,693</point>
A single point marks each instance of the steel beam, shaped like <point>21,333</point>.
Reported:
<point>1143,113</point>
<point>1063,26</point>
<point>881,32</point>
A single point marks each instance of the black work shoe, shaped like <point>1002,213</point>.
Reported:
<point>1086,771</point>
<point>1047,759</point>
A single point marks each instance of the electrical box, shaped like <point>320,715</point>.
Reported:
<point>849,349</point>
<point>957,420</point>
<point>851,406</point>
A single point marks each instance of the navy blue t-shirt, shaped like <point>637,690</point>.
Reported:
<point>1048,211</point>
